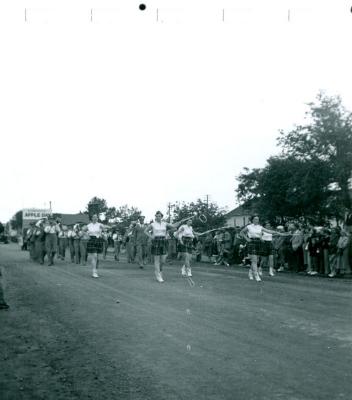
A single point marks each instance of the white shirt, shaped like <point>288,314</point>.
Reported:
<point>254,231</point>
<point>95,229</point>
<point>268,237</point>
<point>185,231</point>
<point>159,229</point>
<point>51,229</point>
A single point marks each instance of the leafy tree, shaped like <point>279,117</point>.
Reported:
<point>17,220</point>
<point>285,188</point>
<point>126,215</point>
<point>326,137</point>
<point>96,206</point>
<point>215,215</point>
<point>311,176</point>
<point>2,228</point>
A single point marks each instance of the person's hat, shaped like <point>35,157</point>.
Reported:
<point>159,212</point>
<point>280,228</point>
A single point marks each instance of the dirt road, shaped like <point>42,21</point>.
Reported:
<point>124,336</point>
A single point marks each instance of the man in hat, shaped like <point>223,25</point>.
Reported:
<point>51,230</point>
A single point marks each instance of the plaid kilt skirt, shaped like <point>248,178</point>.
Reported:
<point>187,246</point>
<point>95,245</point>
<point>159,246</point>
<point>255,247</point>
<point>267,248</point>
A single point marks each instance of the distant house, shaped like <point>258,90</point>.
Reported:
<point>238,217</point>
<point>71,219</point>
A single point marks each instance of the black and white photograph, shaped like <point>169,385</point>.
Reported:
<point>176,200</point>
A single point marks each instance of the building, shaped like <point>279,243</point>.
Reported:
<point>71,219</point>
<point>238,217</point>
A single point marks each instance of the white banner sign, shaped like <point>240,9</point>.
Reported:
<point>35,213</point>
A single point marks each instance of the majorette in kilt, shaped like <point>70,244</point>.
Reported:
<point>159,246</point>
<point>254,247</point>
<point>187,246</point>
<point>267,248</point>
<point>95,245</point>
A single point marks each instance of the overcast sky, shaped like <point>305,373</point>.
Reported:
<point>143,112</point>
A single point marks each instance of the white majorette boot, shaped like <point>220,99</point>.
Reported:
<point>159,277</point>
<point>95,274</point>
<point>271,271</point>
<point>183,271</point>
<point>189,272</point>
<point>250,274</point>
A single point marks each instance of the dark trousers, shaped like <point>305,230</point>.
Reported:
<point>76,250</point>
<point>141,251</point>
<point>51,246</point>
<point>83,251</point>
<point>72,249</point>
<point>62,247</point>
<point>39,251</point>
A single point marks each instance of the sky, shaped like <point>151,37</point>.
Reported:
<point>99,98</point>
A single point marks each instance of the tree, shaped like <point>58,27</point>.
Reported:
<point>215,216</point>
<point>96,206</point>
<point>326,137</point>
<point>311,175</point>
<point>2,228</point>
<point>126,215</point>
<point>286,188</point>
<point>17,220</point>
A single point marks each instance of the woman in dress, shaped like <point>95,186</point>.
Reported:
<point>96,243</point>
<point>156,231</point>
<point>253,235</point>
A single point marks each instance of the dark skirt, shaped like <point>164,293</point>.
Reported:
<point>159,246</point>
<point>254,247</point>
<point>95,245</point>
<point>267,248</point>
<point>187,246</point>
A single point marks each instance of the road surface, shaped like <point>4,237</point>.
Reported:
<point>125,336</point>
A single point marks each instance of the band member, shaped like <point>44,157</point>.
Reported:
<point>157,232</point>
<point>31,240</point>
<point>76,243</point>
<point>70,236</point>
<point>130,243</point>
<point>62,242</point>
<point>105,236</point>
<point>117,238</point>
<point>39,244</point>
<point>140,239</point>
<point>186,236</point>
<point>51,230</point>
<point>83,243</point>
<point>95,243</point>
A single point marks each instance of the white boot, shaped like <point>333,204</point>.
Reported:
<point>159,277</point>
<point>189,272</point>
<point>95,273</point>
<point>250,274</point>
<point>271,271</point>
<point>183,271</point>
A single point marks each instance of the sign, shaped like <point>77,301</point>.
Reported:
<point>35,213</point>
